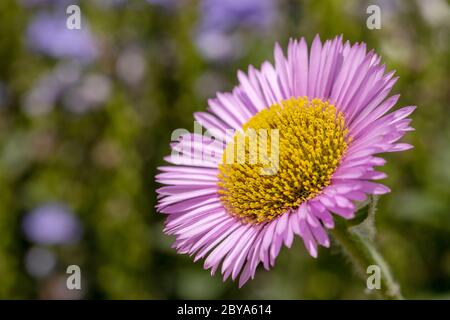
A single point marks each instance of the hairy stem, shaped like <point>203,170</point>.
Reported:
<point>357,242</point>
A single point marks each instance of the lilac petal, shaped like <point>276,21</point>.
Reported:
<point>282,71</point>
<point>314,66</point>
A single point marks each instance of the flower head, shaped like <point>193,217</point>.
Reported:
<point>325,115</point>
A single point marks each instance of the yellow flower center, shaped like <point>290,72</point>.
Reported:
<point>283,156</point>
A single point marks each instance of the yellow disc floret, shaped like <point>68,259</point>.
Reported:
<point>283,156</point>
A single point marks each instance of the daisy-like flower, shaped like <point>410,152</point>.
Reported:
<point>331,110</point>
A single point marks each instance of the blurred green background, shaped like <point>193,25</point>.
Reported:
<point>86,117</point>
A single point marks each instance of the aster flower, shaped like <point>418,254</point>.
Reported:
<point>331,108</point>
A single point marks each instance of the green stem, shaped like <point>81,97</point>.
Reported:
<point>357,242</point>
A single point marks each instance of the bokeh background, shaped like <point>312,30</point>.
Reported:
<point>86,117</point>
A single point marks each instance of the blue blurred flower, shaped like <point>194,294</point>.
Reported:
<point>90,93</point>
<point>47,33</point>
<point>109,4</point>
<point>33,3</point>
<point>163,3</point>
<point>39,262</point>
<point>216,38</point>
<point>131,65</point>
<point>225,15</point>
<point>42,97</point>
<point>50,224</point>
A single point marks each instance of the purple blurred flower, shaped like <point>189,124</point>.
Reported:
<point>216,45</point>
<point>163,3</point>
<point>108,4</point>
<point>47,33</point>
<point>39,262</point>
<point>34,3</point>
<point>51,224</point>
<point>216,39</point>
<point>225,15</point>
<point>41,98</point>
<point>90,94</point>
<point>131,65</point>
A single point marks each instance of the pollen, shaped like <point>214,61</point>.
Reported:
<point>283,156</point>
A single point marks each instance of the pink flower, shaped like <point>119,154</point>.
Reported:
<point>331,108</point>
